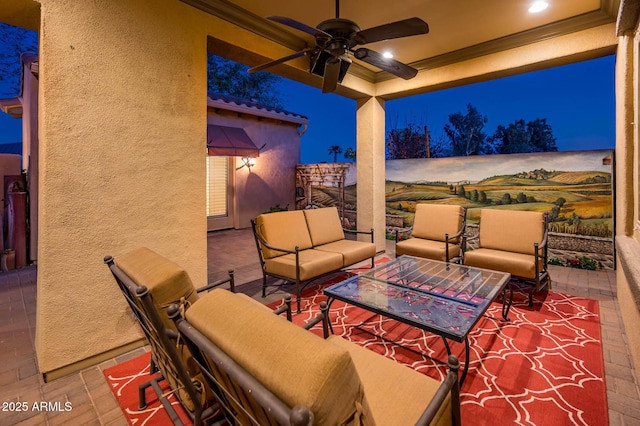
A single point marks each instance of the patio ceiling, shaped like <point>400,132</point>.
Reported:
<point>459,31</point>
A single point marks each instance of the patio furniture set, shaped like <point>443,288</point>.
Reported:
<point>227,356</point>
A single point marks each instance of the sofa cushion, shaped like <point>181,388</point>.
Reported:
<point>351,251</point>
<point>296,365</point>
<point>427,248</point>
<point>518,264</point>
<point>511,230</point>
<point>397,395</point>
<point>284,230</point>
<point>324,225</point>
<point>313,263</point>
<point>433,221</point>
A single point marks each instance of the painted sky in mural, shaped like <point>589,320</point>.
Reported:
<point>475,168</point>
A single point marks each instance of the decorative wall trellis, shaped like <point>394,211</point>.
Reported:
<point>329,175</point>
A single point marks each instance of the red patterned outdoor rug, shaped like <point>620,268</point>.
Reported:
<point>124,380</point>
<point>544,367</point>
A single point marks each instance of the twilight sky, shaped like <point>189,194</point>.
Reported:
<point>577,100</point>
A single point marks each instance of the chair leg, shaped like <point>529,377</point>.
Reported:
<point>264,285</point>
<point>531,296</point>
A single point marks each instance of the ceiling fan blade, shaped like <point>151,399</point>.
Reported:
<point>331,73</point>
<point>389,65</point>
<point>279,61</point>
<point>299,26</point>
<point>405,28</point>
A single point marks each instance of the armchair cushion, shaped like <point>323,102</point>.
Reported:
<point>324,225</point>
<point>522,265</point>
<point>284,230</point>
<point>296,365</point>
<point>511,230</point>
<point>433,221</point>
<point>427,248</point>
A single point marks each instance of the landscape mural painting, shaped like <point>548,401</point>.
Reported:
<point>574,188</point>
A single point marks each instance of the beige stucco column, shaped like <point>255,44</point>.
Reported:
<point>370,117</point>
<point>627,137</point>
<point>122,131</point>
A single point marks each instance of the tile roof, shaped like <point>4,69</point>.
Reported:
<point>254,107</point>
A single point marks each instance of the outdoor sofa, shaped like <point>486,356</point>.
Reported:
<point>301,245</point>
<point>515,242</point>
<point>149,283</point>
<point>270,371</point>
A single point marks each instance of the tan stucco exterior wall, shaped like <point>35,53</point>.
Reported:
<point>271,181</point>
<point>122,133</point>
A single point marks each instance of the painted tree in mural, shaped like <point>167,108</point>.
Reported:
<point>466,135</point>
<point>13,42</point>
<point>231,78</point>
<point>335,150</point>
<point>535,136</point>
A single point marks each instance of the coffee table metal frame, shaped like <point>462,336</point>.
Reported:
<point>442,298</point>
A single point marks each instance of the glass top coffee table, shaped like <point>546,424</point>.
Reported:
<point>446,299</point>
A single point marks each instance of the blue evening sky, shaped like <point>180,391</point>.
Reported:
<point>577,100</point>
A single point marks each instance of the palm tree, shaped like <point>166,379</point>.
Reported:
<point>335,150</point>
<point>350,154</point>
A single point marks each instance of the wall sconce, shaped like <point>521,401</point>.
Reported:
<point>248,162</point>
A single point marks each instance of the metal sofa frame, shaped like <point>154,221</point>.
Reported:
<point>165,357</point>
<point>239,394</point>
<point>300,285</point>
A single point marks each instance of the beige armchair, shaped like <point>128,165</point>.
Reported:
<point>438,233</point>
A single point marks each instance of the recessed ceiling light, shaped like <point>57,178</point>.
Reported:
<point>387,55</point>
<point>538,6</point>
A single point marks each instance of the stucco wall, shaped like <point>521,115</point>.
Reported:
<point>271,181</point>
<point>122,136</point>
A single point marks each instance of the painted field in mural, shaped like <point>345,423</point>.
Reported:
<point>575,188</point>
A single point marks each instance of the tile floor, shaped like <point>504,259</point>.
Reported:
<point>93,402</point>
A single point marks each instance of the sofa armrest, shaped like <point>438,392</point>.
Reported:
<point>451,386</point>
<point>230,279</point>
<point>353,231</point>
<point>323,317</point>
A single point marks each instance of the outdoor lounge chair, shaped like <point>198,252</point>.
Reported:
<point>437,233</point>
<point>150,283</point>
<point>515,242</point>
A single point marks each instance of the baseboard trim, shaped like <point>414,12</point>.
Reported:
<point>91,361</point>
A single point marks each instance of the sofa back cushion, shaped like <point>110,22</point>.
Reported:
<point>433,221</point>
<point>324,225</point>
<point>284,230</point>
<point>296,365</point>
<point>511,230</point>
<point>167,283</point>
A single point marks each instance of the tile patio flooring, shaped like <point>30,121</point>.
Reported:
<point>93,402</point>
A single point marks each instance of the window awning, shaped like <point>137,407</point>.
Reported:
<point>230,141</point>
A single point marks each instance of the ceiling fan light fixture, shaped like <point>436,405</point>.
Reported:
<point>538,6</point>
<point>387,54</point>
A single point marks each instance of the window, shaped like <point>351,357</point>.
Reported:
<point>217,181</point>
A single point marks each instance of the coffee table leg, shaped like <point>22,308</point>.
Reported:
<point>505,309</point>
<point>466,353</point>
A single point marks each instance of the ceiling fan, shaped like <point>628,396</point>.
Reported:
<point>335,42</point>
